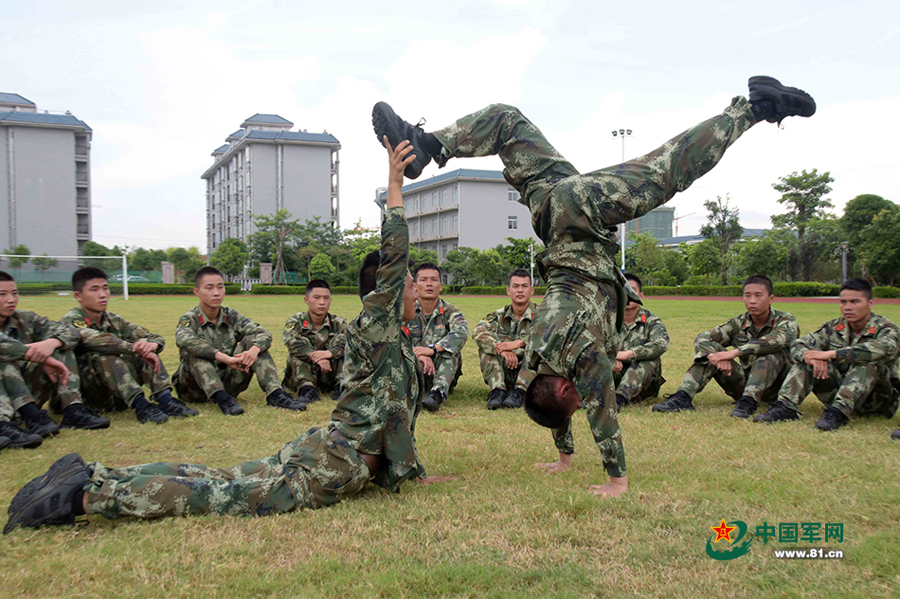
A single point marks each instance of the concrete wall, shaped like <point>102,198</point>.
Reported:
<point>262,178</point>
<point>484,209</point>
<point>307,182</point>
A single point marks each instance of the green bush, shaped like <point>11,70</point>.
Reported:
<point>806,289</point>
<point>117,288</point>
<point>299,290</point>
<point>781,290</point>
<point>886,292</point>
<point>40,288</point>
<point>494,290</point>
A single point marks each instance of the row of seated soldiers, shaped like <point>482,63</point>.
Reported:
<point>850,362</point>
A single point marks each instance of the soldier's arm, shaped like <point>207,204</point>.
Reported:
<point>657,344</point>
<point>780,337</point>
<point>884,346</point>
<point>485,333</point>
<point>297,345</point>
<point>457,333</point>
<point>135,332</point>
<point>709,342</point>
<point>102,343</point>
<point>11,350</point>
<point>339,341</point>
<point>187,337</point>
<point>386,302</point>
<point>817,340</point>
<point>43,328</point>
<point>247,329</point>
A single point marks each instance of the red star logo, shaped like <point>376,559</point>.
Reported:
<point>723,531</point>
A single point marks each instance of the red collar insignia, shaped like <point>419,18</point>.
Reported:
<point>305,324</point>
<point>441,310</point>
<point>200,317</point>
<point>644,318</point>
<point>405,330</point>
<point>88,321</point>
<point>840,328</point>
<point>871,330</point>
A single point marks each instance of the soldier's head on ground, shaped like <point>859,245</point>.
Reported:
<point>9,295</point>
<point>631,308</point>
<point>209,287</point>
<point>368,280</point>
<point>758,295</point>
<point>856,302</point>
<point>428,281</point>
<point>91,288</point>
<point>519,289</point>
<point>318,297</point>
<point>551,400</point>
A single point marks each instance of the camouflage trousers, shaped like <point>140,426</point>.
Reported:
<point>111,382</point>
<point>26,382</point>
<point>447,370</point>
<point>198,380</point>
<point>300,372</point>
<point>861,389</point>
<point>759,377</point>
<point>498,375</point>
<point>316,469</point>
<point>640,380</point>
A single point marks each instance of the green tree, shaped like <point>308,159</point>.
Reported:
<point>858,214</point>
<point>724,228</point>
<point>187,261</point>
<point>417,256</point>
<point>92,248</point>
<point>490,267</point>
<point>141,259</point>
<point>804,196</point>
<point>517,252</point>
<point>881,246</point>
<point>274,233</point>
<point>458,264</point>
<point>43,263</point>
<point>230,257</point>
<point>675,268</point>
<point>706,258</point>
<point>764,256</point>
<point>19,250</point>
<point>320,267</point>
<point>305,256</point>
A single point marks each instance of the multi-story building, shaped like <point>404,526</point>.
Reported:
<point>657,222</point>
<point>45,178</point>
<point>465,207</point>
<point>265,167</point>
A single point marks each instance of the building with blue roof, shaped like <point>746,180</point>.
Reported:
<point>265,167</point>
<point>45,178</point>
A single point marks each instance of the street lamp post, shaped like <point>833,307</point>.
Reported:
<point>844,246</point>
<point>622,133</point>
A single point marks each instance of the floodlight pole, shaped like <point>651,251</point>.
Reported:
<point>125,277</point>
<point>622,133</point>
<point>844,246</point>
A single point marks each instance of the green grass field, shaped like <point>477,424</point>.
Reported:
<point>504,528</point>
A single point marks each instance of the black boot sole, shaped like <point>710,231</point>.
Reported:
<point>385,121</point>
<point>771,89</point>
<point>63,468</point>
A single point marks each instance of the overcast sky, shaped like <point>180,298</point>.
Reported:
<point>162,83</point>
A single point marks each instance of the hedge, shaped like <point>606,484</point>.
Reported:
<point>117,288</point>
<point>299,290</point>
<point>494,290</point>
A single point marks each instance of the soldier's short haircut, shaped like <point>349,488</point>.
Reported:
<point>87,273</point>
<point>518,272</point>
<point>206,270</point>
<point>316,284</point>
<point>860,285</point>
<point>633,277</point>
<point>368,277</point>
<point>543,404</point>
<point>6,277</point>
<point>759,279</point>
<point>426,266</point>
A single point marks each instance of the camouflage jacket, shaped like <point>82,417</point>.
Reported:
<point>776,335</point>
<point>501,325</point>
<point>879,342</point>
<point>446,326</point>
<point>113,324</point>
<point>646,336</point>
<point>382,381</point>
<point>197,336</point>
<point>302,339</point>
<point>25,327</point>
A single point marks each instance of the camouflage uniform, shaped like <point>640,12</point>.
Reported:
<point>376,415</point>
<point>26,382</point>
<point>575,332</point>
<point>447,327</point>
<point>302,339</point>
<point>642,377</point>
<point>112,381</point>
<point>764,357</point>
<point>861,380</point>
<point>501,325</point>
<point>200,376</point>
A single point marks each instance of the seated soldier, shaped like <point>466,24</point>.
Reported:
<point>371,435</point>
<point>501,338</point>
<point>36,358</point>
<point>760,338</point>
<point>438,333</point>
<point>850,363</point>
<point>638,369</point>
<point>112,380</point>
<point>221,350</point>
<point>315,342</point>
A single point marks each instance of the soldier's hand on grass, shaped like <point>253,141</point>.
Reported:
<point>614,488</point>
<point>56,370</point>
<point>512,361</point>
<point>427,365</point>
<point>41,350</point>
<point>563,464</point>
<point>144,347</point>
<point>400,157</point>
<point>153,360</point>
<point>619,366</point>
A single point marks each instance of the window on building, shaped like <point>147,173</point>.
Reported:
<point>424,228</point>
<point>454,195</point>
<point>444,250</point>
<point>434,228</point>
<point>455,245</point>
<point>454,226</point>
<point>434,200</point>
<point>512,195</point>
<point>415,229</point>
<point>445,224</point>
<point>445,198</point>
<point>424,202</point>
<point>513,222</point>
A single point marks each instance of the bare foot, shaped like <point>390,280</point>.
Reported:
<point>430,480</point>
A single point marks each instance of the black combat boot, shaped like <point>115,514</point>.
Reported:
<point>39,422</point>
<point>19,438</point>
<point>4,442</point>
<point>280,399</point>
<point>745,407</point>
<point>308,394</point>
<point>896,435</point>
<point>425,145</point>
<point>495,399</point>
<point>433,400</point>
<point>677,402</point>
<point>777,412</point>
<point>621,402</point>
<point>772,101</point>
<point>515,399</point>
<point>47,499</point>
<point>227,404</point>
<point>150,413</point>
<point>831,420</point>
<point>78,415</point>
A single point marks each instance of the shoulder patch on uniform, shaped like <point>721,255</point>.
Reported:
<point>290,326</point>
<point>840,327</point>
<point>184,321</point>
<point>79,323</point>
